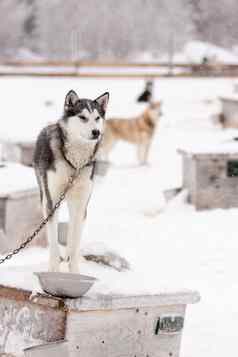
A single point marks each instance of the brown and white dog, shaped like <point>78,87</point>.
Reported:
<point>138,131</point>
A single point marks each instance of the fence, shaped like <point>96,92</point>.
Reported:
<point>87,69</point>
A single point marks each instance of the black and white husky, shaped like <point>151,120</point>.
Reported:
<point>70,143</point>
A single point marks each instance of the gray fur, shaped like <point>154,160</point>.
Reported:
<point>45,156</point>
<point>60,148</point>
<point>49,148</point>
<point>80,105</point>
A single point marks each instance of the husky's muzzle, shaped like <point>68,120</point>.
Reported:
<point>95,134</point>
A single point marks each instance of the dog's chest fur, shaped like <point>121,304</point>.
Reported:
<point>60,177</point>
<point>79,154</point>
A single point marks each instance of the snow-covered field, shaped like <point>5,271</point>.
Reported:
<point>170,246</point>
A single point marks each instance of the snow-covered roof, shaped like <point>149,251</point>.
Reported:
<point>228,148</point>
<point>15,178</point>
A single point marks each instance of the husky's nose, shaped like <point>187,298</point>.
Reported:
<point>95,133</point>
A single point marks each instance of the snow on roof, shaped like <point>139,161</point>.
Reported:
<point>15,178</point>
<point>195,51</point>
<point>231,97</point>
<point>226,148</point>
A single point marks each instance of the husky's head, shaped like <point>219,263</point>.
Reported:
<point>84,118</point>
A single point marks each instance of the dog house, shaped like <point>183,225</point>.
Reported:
<point>20,210</point>
<point>229,115</point>
<point>97,325</point>
<point>18,151</point>
<point>210,175</point>
<point>25,322</point>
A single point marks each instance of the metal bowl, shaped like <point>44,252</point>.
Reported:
<point>65,285</point>
<point>52,349</point>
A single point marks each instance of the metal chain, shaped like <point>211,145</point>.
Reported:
<point>72,178</point>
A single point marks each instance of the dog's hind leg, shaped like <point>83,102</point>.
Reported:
<point>143,151</point>
<point>146,152</point>
<point>141,154</point>
<point>48,202</point>
<point>77,216</point>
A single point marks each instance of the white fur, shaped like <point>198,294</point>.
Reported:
<point>79,153</point>
<point>77,201</point>
<point>79,149</point>
<point>79,130</point>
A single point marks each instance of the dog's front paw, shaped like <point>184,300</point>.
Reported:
<point>54,265</point>
<point>74,266</point>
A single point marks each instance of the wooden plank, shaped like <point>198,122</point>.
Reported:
<point>97,75</point>
<point>26,322</point>
<point>24,325</point>
<point>230,111</point>
<point>115,326</point>
<point>205,176</point>
<point>15,294</point>
<point>122,64</point>
<point>3,213</point>
<point>112,302</point>
<point>102,302</point>
<point>72,69</point>
<point>122,333</point>
<point>22,213</point>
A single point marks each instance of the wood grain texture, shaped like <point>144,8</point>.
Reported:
<point>25,296</point>
<point>205,177</point>
<point>98,326</point>
<point>20,214</point>
<point>122,333</point>
<point>230,112</point>
<point>24,323</point>
<point>111,302</point>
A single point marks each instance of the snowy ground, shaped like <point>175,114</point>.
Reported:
<point>169,246</point>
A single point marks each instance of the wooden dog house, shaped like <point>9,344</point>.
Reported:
<point>20,210</point>
<point>210,174</point>
<point>229,115</point>
<point>99,326</point>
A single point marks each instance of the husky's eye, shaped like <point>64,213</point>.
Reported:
<point>97,119</point>
<point>83,118</point>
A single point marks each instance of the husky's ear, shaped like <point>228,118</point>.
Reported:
<point>70,100</point>
<point>102,100</point>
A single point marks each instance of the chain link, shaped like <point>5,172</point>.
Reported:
<point>72,178</point>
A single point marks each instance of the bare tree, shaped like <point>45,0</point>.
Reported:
<point>12,16</point>
<point>215,21</point>
<point>110,29</point>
